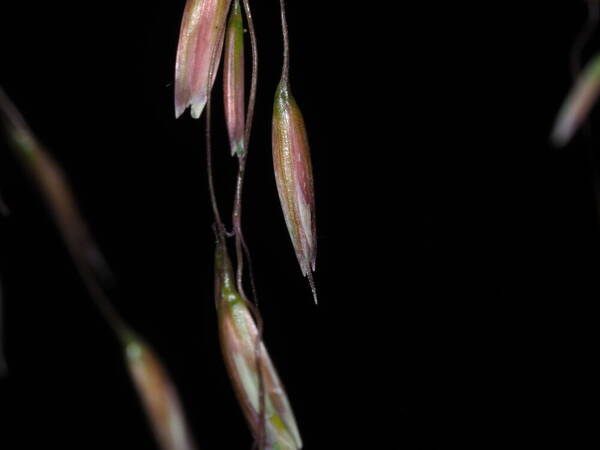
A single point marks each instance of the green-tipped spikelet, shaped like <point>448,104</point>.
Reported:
<point>158,395</point>
<point>238,334</point>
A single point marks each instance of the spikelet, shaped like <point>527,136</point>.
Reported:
<point>238,334</point>
<point>578,103</point>
<point>293,175</point>
<point>200,43</point>
<point>233,79</point>
<point>158,395</point>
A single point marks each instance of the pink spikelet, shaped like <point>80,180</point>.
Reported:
<point>293,175</point>
<point>233,79</point>
<point>200,43</point>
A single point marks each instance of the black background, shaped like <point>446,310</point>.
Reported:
<point>458,251</point>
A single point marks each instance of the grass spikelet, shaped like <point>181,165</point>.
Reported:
<point>158,395</point>
<point>578,103</point>
<point>238,334</point>
<point>293,175</point>
<point>200,37</point>
<point>233,79</point>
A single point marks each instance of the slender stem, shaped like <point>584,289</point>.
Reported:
<point>241,248</point>
<point>250,268</point>
<point>99,297</point>
<point>221,231</point>
<point>237,224</point>
<point>286,44</point>
<point>584,36</point>
<point>240,243</point>
<point>209,170</point>
<point>237,210</point>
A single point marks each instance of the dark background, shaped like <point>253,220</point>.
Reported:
<point>458,251</point>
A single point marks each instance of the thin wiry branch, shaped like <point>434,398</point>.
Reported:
<point>240,242</point>
<point>49,177</point>
<point>286,44</point>
<point>208,142</point>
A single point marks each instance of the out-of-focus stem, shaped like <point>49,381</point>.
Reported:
<point>150,378</point>
<point>4,212</point>
<point>3,208</point>
<point>584,36</point>
<point>2,359</point>
<point>88,260</point>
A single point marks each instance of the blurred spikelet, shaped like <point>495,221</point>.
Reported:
<point>578,103</point>
<point>158,395</point>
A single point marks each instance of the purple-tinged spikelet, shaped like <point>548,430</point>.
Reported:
<point>578,103</point>
<point>200,43</point>
<point>233,79</point>
<point>293,174</point>
<point>238,334</point>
